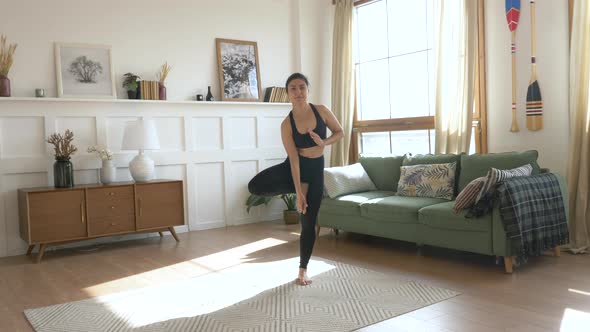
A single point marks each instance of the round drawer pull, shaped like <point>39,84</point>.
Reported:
<point>112,193</point>
<point>113,224</point>
<point>112,207</point>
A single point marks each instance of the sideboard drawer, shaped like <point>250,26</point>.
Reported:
<point>110,202</point>
<point>111,225</point>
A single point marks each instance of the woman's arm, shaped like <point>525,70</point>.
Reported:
<point>332,123</point>
<point>289,144</point>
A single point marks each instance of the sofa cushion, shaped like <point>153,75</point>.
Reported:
<point>477,165</point>
<point>349,204</point>
<point>348,179</point>
<point>435,180</point>
<point>425,159</point>
<point>495,176</point>
<point>442,216</point>
<point>396,209</point>
<point>468,195</point>
<point>383,171</point>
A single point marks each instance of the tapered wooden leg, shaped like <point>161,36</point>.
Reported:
<point>508,264</point>
<point>557,251</point>
<point>317,230</point>
<point>173,232</point>
<point>41,252</point>
<point>30,250</point>
<point>161,235</point>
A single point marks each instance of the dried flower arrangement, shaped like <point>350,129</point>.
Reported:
<point>164,70</point>
<point>101,151</point>
<point>6,56</point>
<point>62,145</point>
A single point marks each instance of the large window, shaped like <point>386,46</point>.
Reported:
<point>395,76</point>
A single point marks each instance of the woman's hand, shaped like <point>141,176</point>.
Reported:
<point>301,203</point>
<point>316,138</point>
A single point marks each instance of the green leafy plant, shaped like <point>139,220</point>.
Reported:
<point>255,200</point>
<point>131,82</point>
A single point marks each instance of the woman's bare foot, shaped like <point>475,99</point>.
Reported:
<point>302,279</point>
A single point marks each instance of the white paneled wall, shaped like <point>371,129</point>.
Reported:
<point>215,147</point>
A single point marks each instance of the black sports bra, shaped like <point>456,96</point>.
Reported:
<point>303,141</point>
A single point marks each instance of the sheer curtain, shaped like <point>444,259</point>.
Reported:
<point>579,157</point>
<point>342,79</point>
<point>456,49</point>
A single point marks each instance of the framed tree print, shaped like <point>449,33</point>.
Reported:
<point>239,70</point>
<point>84,71</point>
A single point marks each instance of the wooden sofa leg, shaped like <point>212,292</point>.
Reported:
<point>508,264</point>
<point>557,251</point>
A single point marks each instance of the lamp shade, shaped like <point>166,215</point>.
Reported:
<point>141,135</point>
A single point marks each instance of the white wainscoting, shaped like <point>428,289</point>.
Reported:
<point>215,147</point>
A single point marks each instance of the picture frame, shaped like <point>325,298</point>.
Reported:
<point>239,70</point>
<point>84,71</point>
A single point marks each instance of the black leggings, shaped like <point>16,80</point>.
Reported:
<point>278,180</point>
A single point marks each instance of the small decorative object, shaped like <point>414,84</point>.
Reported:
<point>141,135</point>
<point>63,170</point>
<point>209,94</point>
<point>39,93</point>
<point>108,171</point>
<point>5,64</point>
<point>290,215</point>
<point>131,85</point>
<point>84,71</point>
<point>239,73</point>
<point>199,97</point>
<point>164,70</point>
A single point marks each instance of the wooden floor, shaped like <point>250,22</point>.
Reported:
<point>534,298</point>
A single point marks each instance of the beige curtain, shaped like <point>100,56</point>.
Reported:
<point>342,79</point>
<point>455,58</point>
<point>579,157</point>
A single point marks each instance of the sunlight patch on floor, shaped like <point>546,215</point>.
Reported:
<point>578,291</point>
<point>187,269</point>
<point>574,321</point>
<point>205,294</point>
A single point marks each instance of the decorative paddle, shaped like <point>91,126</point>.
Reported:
<point>512,16</point>
<point>534,103</point>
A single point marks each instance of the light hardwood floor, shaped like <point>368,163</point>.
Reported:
<point>534,298</point>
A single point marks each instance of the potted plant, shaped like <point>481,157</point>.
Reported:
<point>108,171</point>
<point>290,215</point>
<point>131,84</point>
<point>5,64</point>
<point>63,170</point>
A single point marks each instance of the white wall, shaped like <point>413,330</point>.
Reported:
<point>146,33</point>
<point>552,74</point>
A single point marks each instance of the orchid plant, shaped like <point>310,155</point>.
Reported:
<point>101,151</point>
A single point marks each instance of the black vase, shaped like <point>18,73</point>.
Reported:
<point>209,95</point>
<point>63,173</point>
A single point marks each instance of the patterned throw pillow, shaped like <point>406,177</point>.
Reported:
<point>344,180</point>
<point>433,180</point>
<point>468,195</point>
<point>496,176</point>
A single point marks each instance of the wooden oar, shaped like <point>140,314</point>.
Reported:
<point>534,103</point>
<point>512,16</point>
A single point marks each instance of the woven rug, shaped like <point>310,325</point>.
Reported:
<point>249,297</point>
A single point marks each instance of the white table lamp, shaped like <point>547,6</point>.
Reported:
<point>141,135</point>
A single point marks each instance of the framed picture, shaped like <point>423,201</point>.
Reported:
<point>84,71</point>
<point>239,71</point>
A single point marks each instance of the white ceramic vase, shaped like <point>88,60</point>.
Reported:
<point>108,172</point>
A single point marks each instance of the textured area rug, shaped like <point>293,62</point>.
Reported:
<point>249,297</point>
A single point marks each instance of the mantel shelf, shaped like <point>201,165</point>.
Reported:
<point>138,101</point>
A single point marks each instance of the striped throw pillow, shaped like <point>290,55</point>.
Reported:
<point>344,180</point>
<point>496,176</point>
<point>468,195</point>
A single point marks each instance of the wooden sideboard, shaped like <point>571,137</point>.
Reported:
<point>57,215</point>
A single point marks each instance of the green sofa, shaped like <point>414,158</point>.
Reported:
<point>427,221</point>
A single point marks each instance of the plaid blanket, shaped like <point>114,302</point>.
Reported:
<point>533,214</point>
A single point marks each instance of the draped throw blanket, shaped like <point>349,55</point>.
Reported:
<point>533,214</point>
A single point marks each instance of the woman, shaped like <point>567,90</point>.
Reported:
<point>304,137</point>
